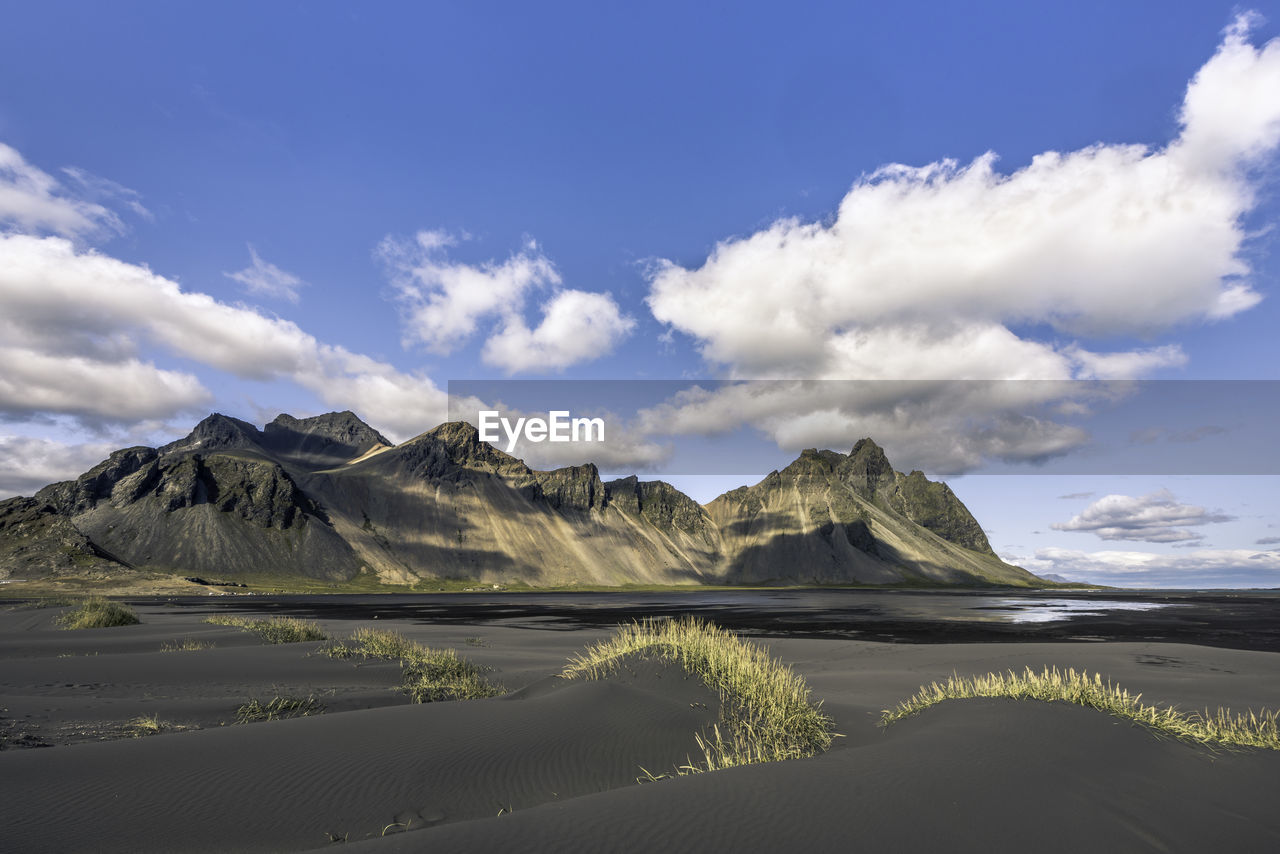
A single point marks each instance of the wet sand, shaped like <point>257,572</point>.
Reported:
<point>559,760</point>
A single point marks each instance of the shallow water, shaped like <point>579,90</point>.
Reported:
<point>1053,610</point>
<point>1243,620</point>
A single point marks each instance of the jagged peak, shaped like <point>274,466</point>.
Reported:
<point>344,426</point>
<point>460,443</point>
<point>214,432</point>
<point>454,432</point>
<point>216,421</point>
<point>867,467</point>
<point>867,446</point>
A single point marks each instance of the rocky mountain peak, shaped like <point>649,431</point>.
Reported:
<point>658,502</point>
<point>322,440</point>
<point>215,433</point>
<point>342,427</point>
<point>867,469</point>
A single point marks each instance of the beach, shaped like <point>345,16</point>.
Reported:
<point>555,765</point>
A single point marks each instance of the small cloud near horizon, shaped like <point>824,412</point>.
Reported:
<point>1154,518</point>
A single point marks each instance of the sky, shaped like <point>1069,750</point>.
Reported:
<point>733,228</point>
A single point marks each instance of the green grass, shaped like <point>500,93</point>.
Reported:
<point>1220,728</point>
<point>278,708</point>
<point>274,629</point>
<point>765,711</point>
<point>429,675</point>
<point>98,613</point>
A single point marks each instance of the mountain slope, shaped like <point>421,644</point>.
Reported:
<point>330,498</point>
<point>832,518</point>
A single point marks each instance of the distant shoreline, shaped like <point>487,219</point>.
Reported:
<point>1247,620</point>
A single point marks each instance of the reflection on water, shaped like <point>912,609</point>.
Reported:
<point>1053,610</point>
<point>1238,619</point>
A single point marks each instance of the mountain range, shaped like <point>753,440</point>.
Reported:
<point>330,499</point>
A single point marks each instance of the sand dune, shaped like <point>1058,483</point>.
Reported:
<point>559,760</point>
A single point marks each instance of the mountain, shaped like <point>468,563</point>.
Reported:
<point>330,498</point>
<point>829,517</point>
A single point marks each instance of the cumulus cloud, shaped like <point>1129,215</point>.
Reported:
<point>1064,241</point>
<point>32,200</point>
<point>1200,568</point>
<point>1155,518</point>
<point>1267,541</point>
<point>75,319</point>
<point>28,463</point>
<point>926,272</point>
<point>445,303</point>
<point>262,278</point>
<point>576,326</point>
<point>41,383</point>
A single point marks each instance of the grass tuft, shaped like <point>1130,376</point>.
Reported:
<point>274,629</point>
<point>98,613</point>
<point>1220,728</point>
<point>278,708</point>
<point>429,675</point>
<point>765,710</point>
<point>186,645</point>
<point>149,725</point>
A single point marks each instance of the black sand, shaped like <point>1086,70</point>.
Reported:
<point>559,760</point>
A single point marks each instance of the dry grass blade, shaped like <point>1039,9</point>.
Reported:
<point>186,645</point>
<point>1252,729</point>
<point>274,629</point>
<point>430,675</point>
<point>278,708</point>
<point>765,706</point>
<point>98,613</point>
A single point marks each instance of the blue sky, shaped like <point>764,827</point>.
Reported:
<point>300,207</point>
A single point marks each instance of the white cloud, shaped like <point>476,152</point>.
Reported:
<point>102,189</point>
<point>1124,366</point>
<point>925,273</point>
<point>79,317</point>
<point>28,463</point>
<point>1200,568</point>
<point>1111,239</point>
<point>33,200</point>
<point>34,383</point>
<point>576,326</point>
<point>941,427</point>
<point>1155,518</point>
<point>263,278</point>
<point>446,302</point>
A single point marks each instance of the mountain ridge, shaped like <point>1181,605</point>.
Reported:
<point>330,499</point>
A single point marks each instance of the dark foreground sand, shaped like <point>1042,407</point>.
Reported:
<point>559,760</point>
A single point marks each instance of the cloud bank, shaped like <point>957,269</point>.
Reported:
<point>1200,568</point>
<point>74,324</point>
<point>929,272</point>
